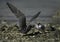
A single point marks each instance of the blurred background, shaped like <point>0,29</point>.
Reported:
<point>50,10</point>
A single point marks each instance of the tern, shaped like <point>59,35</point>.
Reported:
<point>24,28</point>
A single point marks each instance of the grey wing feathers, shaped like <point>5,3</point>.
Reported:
<point>20,16</point>
<point>14,10</point>
<point>35,16</point>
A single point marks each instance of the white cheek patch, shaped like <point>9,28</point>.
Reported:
<point>38,26</point>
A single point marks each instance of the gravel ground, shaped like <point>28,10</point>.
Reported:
<point>11,34</point>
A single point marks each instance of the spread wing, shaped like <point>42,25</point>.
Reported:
<point>35,16</point>
<point>19,15</point>
<point>14,10</point>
